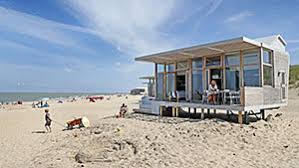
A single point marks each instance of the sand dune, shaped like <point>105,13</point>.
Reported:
<point>146,141</point>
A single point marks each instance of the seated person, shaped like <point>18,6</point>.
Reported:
<point>123,110</point>
<point>212,92</point>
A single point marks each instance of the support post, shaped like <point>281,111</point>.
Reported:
<point>263,114</point>
<point>164,83</point>
<point>177,111</point>
<point>240,118</point>
<point>214,111</point>
<point>173,111</point>
<point>208,111</point>
<point>156,81</point>
<point>202,114</point>
<point>160,110</point>
<point>227,114</point>
<point>246,117</point>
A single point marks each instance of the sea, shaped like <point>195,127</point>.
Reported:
<point>14,96</point>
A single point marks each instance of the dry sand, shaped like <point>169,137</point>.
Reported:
<point>144,140</point>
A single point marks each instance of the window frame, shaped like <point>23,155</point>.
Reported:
<point>268,65</point>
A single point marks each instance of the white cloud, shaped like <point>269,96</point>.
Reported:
<point>40,28</point>
<point>134,26</point>
<point>67,69</point>
<point>239,17</point>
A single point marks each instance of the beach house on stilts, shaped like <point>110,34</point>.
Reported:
<point>251,76</point>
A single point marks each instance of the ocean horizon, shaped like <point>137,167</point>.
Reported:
<point>35,96</point>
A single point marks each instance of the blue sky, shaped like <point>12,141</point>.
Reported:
<point>90,45</point>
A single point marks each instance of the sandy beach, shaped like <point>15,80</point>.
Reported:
<point>143,140</point>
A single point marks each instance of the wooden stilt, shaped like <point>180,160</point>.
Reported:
<point>227,114</point>
<point>208,111</point>
<point>240,118</point>
<point>214,111</point>
<point>189,112</point>
<point>246,117</point>
<point>173,111</point>
<point>161,111</point>
<point>202,114</point>
<point>177,112</point>
<point>263,114</point>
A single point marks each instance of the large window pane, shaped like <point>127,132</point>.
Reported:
<point>160,67</point>
<point>267,57</point>
<point>170,68</point>
<point>232,60</point>
<point>251,75</point>
<point>169,84</point>
<point>251,58</point>
<point>197,85</point>
<point>160,86</point>
<point>213,61</point>
<point>232,78</point>
<point>267,71</point>
<point>197,63</point>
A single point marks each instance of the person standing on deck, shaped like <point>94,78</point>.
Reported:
<point>48,121</point>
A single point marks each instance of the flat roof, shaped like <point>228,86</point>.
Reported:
<point>209,49</point>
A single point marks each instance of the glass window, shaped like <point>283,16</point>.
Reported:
<point>160,67</point>
<point>182,65</point>
<point>169,84</point>
<point>232,78</point>
<point>160,86</point>
<point>197,84</point>
<point>213,61</point>
<point>267,72</point>
<point>251,58</point>
<point>232,60</point>
<point>197,63</point>
<point>170,68</point>
<point>267,57</point>
<point>251,75</point>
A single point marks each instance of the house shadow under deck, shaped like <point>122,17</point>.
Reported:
<point>193,110</point>
<point>220,114</point>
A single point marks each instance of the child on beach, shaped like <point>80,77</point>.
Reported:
<point>48,120</point>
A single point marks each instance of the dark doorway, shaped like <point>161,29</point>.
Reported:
<point>181,82</point>
<point>216,74</point>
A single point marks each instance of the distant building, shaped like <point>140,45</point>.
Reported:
<point>137,91</point>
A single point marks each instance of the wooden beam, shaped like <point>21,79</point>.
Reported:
<point>164,83</point>
<point>223,71</point>
<point>261,55</point>
<point>204,73</point>
<point>242,90</point>
<point>215,49</point>
<point>156,80</point>
<point>189,81</point>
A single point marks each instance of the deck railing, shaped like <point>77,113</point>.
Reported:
<point>223,97</point>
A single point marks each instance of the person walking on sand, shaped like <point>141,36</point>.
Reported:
<point>48,120</point>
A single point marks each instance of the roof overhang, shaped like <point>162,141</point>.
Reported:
<point>210,49</point>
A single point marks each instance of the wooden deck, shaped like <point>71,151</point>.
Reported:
<point>235,107</point>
